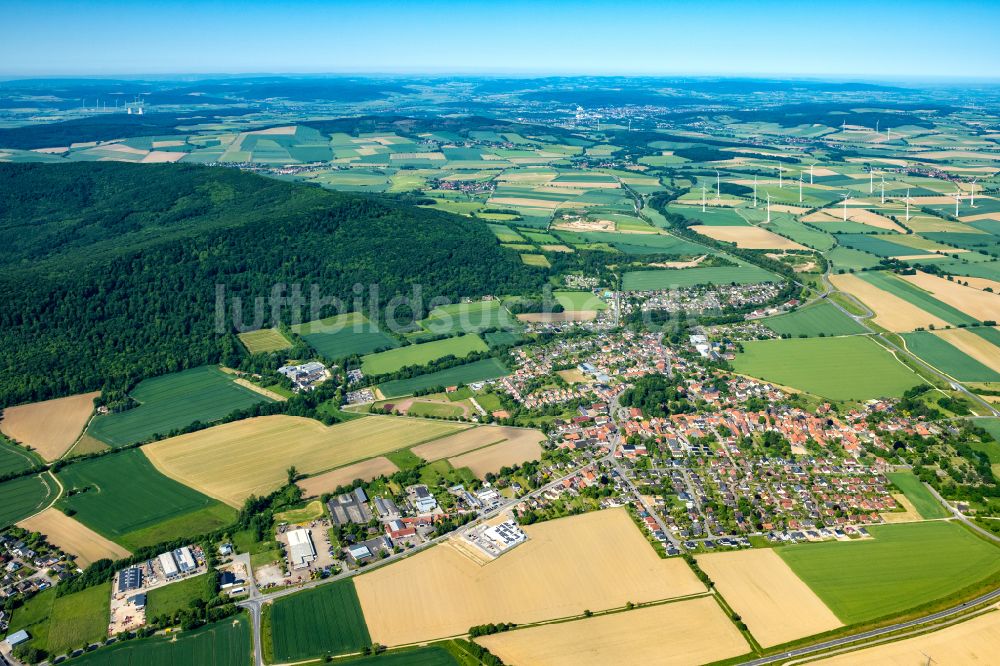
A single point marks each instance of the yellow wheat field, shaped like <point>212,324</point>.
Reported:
<point>974,302</point>
<point>593,561</point>
<point>891,311</point>
<point>973,345</point>
<point>73,537</point>
<point>695,631</point>
<point>49,427</point>
<point>774,603</point>
<point>505,454</point>
<point>366,470</point>
<point>976,641</point>
<point>476,438</point>
<point>753,238</point>
<point>235,460</point>
<point>909,513</point>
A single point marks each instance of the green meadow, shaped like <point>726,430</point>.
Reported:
<point>421,354</point>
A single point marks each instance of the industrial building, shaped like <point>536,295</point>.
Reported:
<point>129,579</point>
<point>301,551</point>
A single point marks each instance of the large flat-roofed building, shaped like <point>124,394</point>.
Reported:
<point>185,559</point>
<point>350,508</point>
<point>301,550</point>
<point>129,579</point>
<point>168,565</point>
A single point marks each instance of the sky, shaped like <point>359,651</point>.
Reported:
<point>837,39</point>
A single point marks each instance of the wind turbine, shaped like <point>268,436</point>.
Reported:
<point>871,181</point>
<point>907,204</point>
<point>972,199</point>
<point>718,185</point>
<point>958,198</point>
<point>780,182</point>
<point>877,121</point>
<point>703,198</point>
<point>811,172</point>
<point>888,134</point>
<point>800,188</point>
<point>847,198</point>
<point>755,190</point>
<point>883,190</point>
<point>769,208</point>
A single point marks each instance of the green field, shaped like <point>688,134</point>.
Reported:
<point>848,368</point>
<point>421,354</point>
<point>659,280</point>
<point>431,655</point>
<point>174,401</point>
<point>902,567</point>
<point>575,301</point>
<point>949,359</point>
<point>265,340</point>
<point>344,335</point>
<point>62,624</point>
<point>127,500</point>
<point>917,493</point>
<point>844,258</point>
<point>324,620</point>
<point>224,643</point>
<point>917,296</point>
<point>469,318</point>
<point>171,598</point>
<point>14,458</point>
<point>488,368</point>
<point>813,320</point>
<point>24,496</point>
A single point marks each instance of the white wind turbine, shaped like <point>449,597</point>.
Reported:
<point>958,198</point>
<point>811,172</point>
<point>703,198</point>
<point>883,190</point>
<point>769,208</point>
<point>780,181</point>
<point>907,204</point>
<point>718,185</point>
<point>755,190</point>
<point>800,188</point>
<point>847,197</point>
<point>871,181</point>
<point>972,195</point>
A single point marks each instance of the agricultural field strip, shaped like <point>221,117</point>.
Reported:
<point>234,460</point>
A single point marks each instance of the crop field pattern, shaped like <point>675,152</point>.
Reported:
<point>224,643</point>
<point>823,318</point>
<point>488,368</point>
<point>344,335</point>
<point>14,458</point>
<point>203,394</point>
<point>327,620</point>
<point>421,354</point>
<point>902,567</point>
<point>23,496</point>
<point>122,494</point>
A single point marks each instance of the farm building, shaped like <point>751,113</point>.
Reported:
<point>301,551</point>
<point>386,508</point>
<point>350,508</point>
<point>423,500</point>
<point>17,638</point>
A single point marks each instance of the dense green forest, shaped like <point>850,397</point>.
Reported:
<point>111,276</point>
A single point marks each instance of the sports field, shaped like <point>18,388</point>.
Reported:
<point>264,340</point>
<point>14,458</point>
<point>421,354</point>
<point>696,631</point>
<point>174,401</point>
<point>344,335</point>
<point>73,537</point>
<point>325,620</point>
<point>944,356</point>
<point>49,427</point>
<point>366,470</point>
<point>919,496</point>
<point>847,368</point>
<point>124,498</point>
<point>773,602</point>
<point>974,641</point>
<point>813,320</point>
<point>487,368</point>
<point>24,496</point>
<point>902,567</point>
<point>234,460</point>
<point>593,561</point>
<point>224,643</point>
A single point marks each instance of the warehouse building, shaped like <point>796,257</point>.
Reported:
<point>301,551</point>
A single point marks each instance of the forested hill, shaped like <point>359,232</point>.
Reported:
<point>108,270</point>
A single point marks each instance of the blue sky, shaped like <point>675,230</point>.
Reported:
<point>852,39</point>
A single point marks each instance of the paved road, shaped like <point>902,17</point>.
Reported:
<point>875,633</point>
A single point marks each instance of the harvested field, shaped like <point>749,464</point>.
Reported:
<point>753,238</point>
<point>687,632</point>
<point>593,561</point>
<point>234,460</point>
<point>73,537</point>
<point>972,345</point>
<point>161,156</point>
<point>974,302</point>
<point>533,203</point>
<point>981,283</point>
<point>891,311</point>
<point>975,641</point>
<point>557,317</point>
<point>572,376</point>
<point>774,603</point>
<point>907,515</point>
<point>473,439</point>
<point>366,470</point>
<point>505,454</point>
<point>49,427</point>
